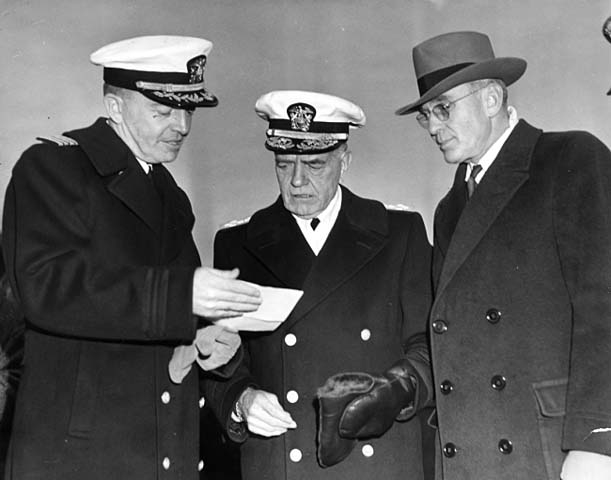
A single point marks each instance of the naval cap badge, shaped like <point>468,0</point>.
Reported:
<point>196,67</point>
<point>301,116</point>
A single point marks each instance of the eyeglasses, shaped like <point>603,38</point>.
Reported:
<point>442,110</point>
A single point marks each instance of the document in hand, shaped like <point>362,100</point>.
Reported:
<point>276,305</point>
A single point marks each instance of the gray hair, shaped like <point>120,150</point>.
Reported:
<point>477,84</point>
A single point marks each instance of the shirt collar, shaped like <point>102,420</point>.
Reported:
<point>145,166</point>
<point>495,148</point>
<point>328,215</point>
<point>317,238</point>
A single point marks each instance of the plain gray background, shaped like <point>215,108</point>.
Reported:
<point>360,50</point>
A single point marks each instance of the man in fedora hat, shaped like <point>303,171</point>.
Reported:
<point>99,252</point>
<point>365,272</point>
<point>520,326</point>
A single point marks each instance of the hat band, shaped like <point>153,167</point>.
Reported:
<point>129,78</point>
<point>314,127</point>
<point>306,135</point>
<point>169,87</point>
<point>428,81</point>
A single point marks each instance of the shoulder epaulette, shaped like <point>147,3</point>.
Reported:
<point>60,140</point>
<point>235,223</point>
<point>398,206</point>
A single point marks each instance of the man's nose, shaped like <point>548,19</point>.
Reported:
<point>299,177</point>
<point>434,125</point>
<point>182,121</point>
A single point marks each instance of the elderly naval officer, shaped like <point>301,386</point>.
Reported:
<point>365,273</point>
<point>102,260</point>
<point>521,322</point>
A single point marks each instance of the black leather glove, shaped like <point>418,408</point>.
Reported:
<point>390,398</point>
<point>333,396</point>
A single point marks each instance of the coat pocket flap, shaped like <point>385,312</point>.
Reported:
<point>551,397</point>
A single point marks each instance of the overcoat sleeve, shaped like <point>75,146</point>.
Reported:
<point>64,284</point>
<point>221,394</point>
<point>416,300</point>
<point>582,224</point>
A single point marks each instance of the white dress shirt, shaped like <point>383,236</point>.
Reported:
<point>317,238</point>
<point>145,166</point>
<point>494,149</point>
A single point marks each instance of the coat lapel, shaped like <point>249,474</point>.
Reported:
<point>450,209</point>
<point>178,216</point>
<point>124,178</point>
<point>275,239</point>
<point>360,232</point>
<point>505,176</point>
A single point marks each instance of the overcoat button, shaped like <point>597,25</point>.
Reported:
<point>165,397</point>
<point>292,396</point>
<point>498,382</point>
<point>202,402</point>
<point>446,387</point>
<point>367,450</point>
<point>295,455</point>
<point>493,315</point>
<point>439,326</point>
<point>449,450</point>
<point>166,463</point>
<point>290,339</point>
<point>365,334</point>
<point>505,446</point>
<point>200,466</point>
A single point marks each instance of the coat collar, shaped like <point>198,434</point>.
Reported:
<point>124,178</point>
<point>360,232</point>
<point>507,174</point>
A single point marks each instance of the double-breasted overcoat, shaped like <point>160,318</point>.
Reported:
<point>365,295</point>
<point>102,263</point>
<point>521,322</point>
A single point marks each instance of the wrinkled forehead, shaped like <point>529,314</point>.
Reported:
<point>294,157</point>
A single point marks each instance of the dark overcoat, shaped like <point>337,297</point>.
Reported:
<point>366,294</point>
<point>521,323</point>
<point>103,266</point>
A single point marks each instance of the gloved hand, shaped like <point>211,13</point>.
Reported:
<point>213,347</point>
<point>181,362</point>
<point>372,413</point>
<point>333,397</point>
<point>216,346</point>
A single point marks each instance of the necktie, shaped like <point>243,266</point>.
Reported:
<point>153,176</point>
<point>471,183</point>
<point>314,223</point>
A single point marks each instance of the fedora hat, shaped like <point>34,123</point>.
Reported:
<point>446,61</point>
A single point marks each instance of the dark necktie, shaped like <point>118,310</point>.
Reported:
<point>471,183</point>
<point>314,223</point>
<point>154,177</point>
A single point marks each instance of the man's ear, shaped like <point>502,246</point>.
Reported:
<point>114,107</point>
<point>494,99</point>
<point>346,160</point>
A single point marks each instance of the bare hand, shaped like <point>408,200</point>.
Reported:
<point>218,294</point>
<point>216,346</point>
<point>263,413</point>
<point>582,465</point>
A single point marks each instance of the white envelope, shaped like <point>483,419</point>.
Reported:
<point>276,305</point>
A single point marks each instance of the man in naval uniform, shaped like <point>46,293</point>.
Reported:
<point>365,273</point>
<point>98,248</point>
<point>521,322</point>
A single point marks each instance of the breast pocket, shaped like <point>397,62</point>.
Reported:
<point>551,409</point>
<point>85,395</point>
